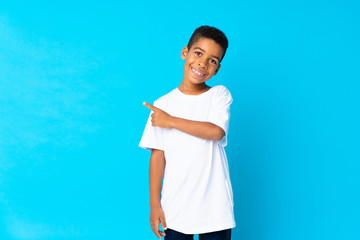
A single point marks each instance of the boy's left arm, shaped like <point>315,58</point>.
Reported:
<point>206,130</point>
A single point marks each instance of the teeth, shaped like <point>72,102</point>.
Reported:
<point>198,73</point>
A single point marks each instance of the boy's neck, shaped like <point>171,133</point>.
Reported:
<point>193,89</point>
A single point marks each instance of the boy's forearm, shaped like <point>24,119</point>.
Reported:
<point>156,172</point>
<point>199,129</point>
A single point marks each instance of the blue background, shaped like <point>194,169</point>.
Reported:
<point>73,77</point>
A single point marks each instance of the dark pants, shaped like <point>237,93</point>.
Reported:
<point>218,235</point>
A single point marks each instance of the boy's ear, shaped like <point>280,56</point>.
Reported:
<point>184,52</point>
<point>217,69</point>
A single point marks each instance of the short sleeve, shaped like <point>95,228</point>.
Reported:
<point>153,137</point>
<point>220,111</point>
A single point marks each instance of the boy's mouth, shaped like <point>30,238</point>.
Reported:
<point>197,73</point>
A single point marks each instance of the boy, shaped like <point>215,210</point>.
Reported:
<point>186,134</point>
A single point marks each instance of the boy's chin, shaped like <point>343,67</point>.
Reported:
<point>197,80</point>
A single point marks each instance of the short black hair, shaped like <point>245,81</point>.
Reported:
<point>211,33</point>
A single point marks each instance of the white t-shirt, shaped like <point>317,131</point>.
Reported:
<point>196,194</point>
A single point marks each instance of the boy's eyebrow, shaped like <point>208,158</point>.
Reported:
<point>205,51</point>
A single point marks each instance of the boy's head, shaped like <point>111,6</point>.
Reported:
<point>203,54</point>
<point>211,33</point>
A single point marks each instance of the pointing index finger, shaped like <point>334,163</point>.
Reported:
<point>150,106</point>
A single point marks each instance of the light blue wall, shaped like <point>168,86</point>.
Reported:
<point>73,77</point>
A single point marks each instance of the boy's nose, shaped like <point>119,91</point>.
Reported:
<point>202,64</point>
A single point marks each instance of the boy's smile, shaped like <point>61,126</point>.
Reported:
<point>198,73</point>
<point>202,61</point>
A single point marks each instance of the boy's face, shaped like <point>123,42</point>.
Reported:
<point>201,60</point>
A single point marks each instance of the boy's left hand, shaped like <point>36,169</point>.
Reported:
<point>159,118</point>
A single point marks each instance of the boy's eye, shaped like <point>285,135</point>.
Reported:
<point>198,53</point>
<point>213,61</point>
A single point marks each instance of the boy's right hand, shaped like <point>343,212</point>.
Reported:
<point>157,216</point>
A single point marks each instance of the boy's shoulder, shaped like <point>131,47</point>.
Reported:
<point>216,91</point>
<point>221,88</point>
<point>163,99</point>
<point>221,91</point>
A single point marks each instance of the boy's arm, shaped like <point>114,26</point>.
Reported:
<point>206,130</point>
<point>199,129</point>
<point>156,172</point>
